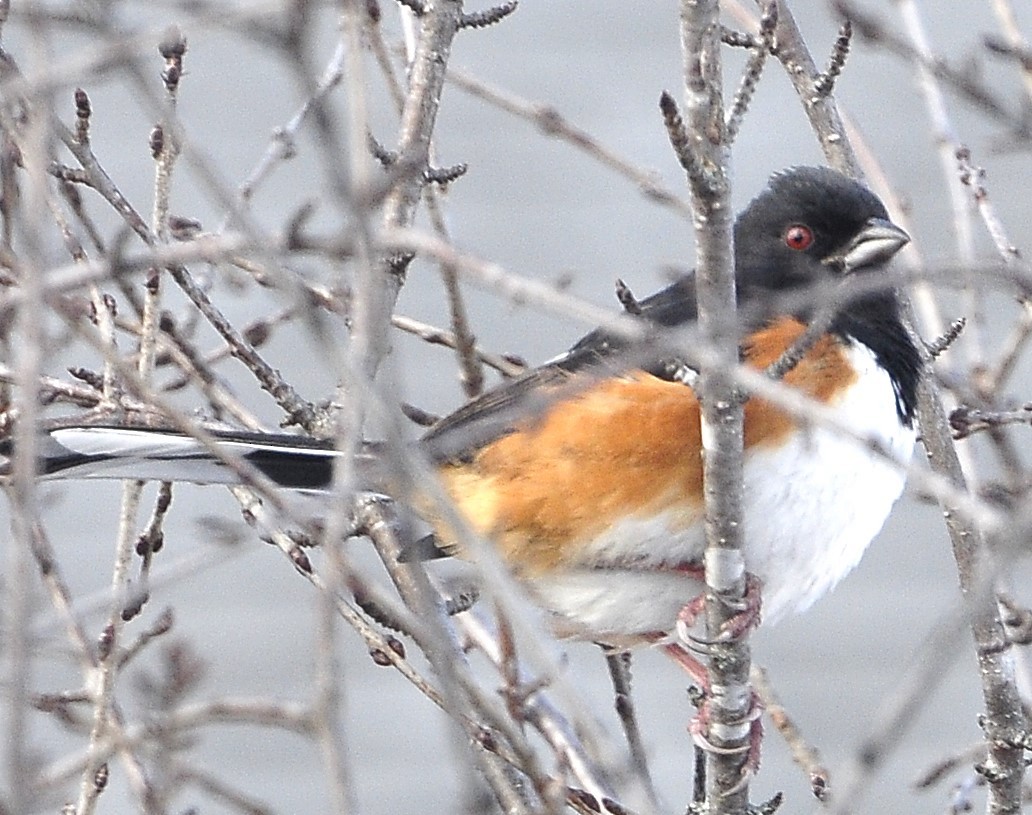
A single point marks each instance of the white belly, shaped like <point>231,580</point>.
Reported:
<point>813,506</point>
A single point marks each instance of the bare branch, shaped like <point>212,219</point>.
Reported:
<point>702,147</point>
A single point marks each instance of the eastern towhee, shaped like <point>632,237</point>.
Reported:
<point>586,473</point>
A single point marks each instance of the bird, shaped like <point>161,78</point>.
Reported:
<point>585,473</point>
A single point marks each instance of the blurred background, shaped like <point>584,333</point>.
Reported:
<point>541,209</point>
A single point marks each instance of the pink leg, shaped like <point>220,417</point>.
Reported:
<point>746,618</point>
<point>695,669</point>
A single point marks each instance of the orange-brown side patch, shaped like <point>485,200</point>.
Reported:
<point>628,445</point>
<point>823,372</point>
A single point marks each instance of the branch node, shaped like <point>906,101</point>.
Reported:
<point>389,159</point>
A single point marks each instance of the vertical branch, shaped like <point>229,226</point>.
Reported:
<point>1005,723</point>
<point>107,669</point>
<point>103,306</point>
<point>947,142</point>
<point>26,209</point>
<point>28,347</point>
<point>726,790</point>
<point>164,149</point>
<point>329,698</point>
<point>426,83</point>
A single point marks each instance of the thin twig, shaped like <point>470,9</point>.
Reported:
<point>759,52</point>
<point>805,755</point>
<point>551,122</point>
<point>825,83</point>
<point>619,665</point>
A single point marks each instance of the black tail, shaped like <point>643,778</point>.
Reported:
<point>85,451</point>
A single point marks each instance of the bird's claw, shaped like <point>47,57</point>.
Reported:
<point>699,730</point>
<point>745,618</point>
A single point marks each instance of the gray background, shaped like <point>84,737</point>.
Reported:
<point>541,209</point>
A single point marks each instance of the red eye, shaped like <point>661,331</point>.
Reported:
<point>798,237</point>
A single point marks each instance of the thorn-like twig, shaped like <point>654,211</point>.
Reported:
<point>482,19</point>
<point>387,158</point>
<point>71,175</point>
<point>679,139</point>
<point>506,365</point>
<point>738,39</point>
<point>753,70</point>
<point>432,175</point>
<point>1018,621</point>
<point>825,82</point>
<point>417,7</point>
<point>937,346</point>
<point>999,46</point>
<point>550,121</point>
<point>973,177</point>
<point>419,416</point>
<point>461,602</point>
<point>794,354</point>
<point>376,611</point>
<point>445,175</point>
<point>804,754</point>
<point>619,665</point>
<point>627,299</point>
<point>83,111</point>
<point>966,421</point>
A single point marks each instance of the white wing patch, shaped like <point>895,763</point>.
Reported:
<point>139,453</point>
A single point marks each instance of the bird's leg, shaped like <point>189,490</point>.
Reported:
<point>688,661</point>
<point>747,616</point>
<point>698,727</point>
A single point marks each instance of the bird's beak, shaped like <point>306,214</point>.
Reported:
<point>877,242</point>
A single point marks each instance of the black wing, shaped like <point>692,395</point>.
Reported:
<point>498,412</point>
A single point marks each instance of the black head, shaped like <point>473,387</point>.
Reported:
<point>809,225</point>
<point>813,225</point>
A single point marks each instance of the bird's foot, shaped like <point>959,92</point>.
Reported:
<point>746,617</point>
<point>701,730</point>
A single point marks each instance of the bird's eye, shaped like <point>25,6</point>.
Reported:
<point>798,237</point>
